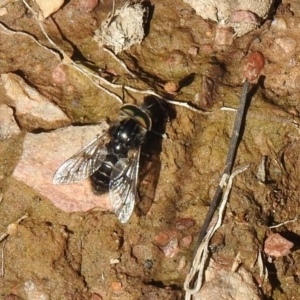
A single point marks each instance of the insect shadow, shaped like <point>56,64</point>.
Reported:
<point>150,163</point>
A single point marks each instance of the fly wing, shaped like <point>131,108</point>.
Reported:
<point>123,186</point>
<point>83,163</point>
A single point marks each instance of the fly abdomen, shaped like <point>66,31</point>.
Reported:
<point>101,178</point>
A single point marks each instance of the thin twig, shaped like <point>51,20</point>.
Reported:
<point>3,238</point>
<point>5,235</point>
<point>253,114</point>
<point>44,31</point>
<point>2,259</point>
<point>228,108</point>
<point>114,56</point>
<point>236,262</point>
<point>229,162</point>
<point>11,32</point>
<point>90,75</point>
<point>194,279</point>
<point>188,106</point>
<point>286,222</point>
<point>263,270</point>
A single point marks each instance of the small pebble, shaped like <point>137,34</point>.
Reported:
<point>3,11</point>
<point>182,263</point>
<point>164,237</point>
<point>187,241</point>
<point>254,64</point>
<point>184,223</point>
<point>171,249</point>
<point>279,23</point>
<point>193,51</point>
<point>171,87</point>
<point>116,285</point>
<point>277,246</point>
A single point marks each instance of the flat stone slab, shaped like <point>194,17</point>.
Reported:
<point>43,153</point>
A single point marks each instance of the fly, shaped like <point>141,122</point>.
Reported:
<point>111,160</point>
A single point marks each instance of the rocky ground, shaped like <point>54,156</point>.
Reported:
<point>63,242</point>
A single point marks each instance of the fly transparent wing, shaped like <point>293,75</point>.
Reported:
<point>83,163</point>
<point>123,186</point>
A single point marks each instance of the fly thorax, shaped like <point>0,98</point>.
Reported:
<point>127,135</point>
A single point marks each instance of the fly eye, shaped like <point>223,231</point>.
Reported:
<point>138,114</point>
<point>143,121</point>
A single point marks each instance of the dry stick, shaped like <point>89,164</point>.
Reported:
<point>3,239</point>
<point>229,163</point>
<point>2,259</point>
<point>90,75</point>
<point>194,279</point>
<point>123,65</point>
<point>11,32</point>
<point>286,222</point>
<point>5,235</point>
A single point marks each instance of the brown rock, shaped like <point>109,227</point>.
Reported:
<point>49,7</point>
<point>246,14</point>
<point>225,284</point>
<point>276,245</point>
<point>185,223</point>
<point>43,153</point>
<point>8,124</point>
<point>33,110</point>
